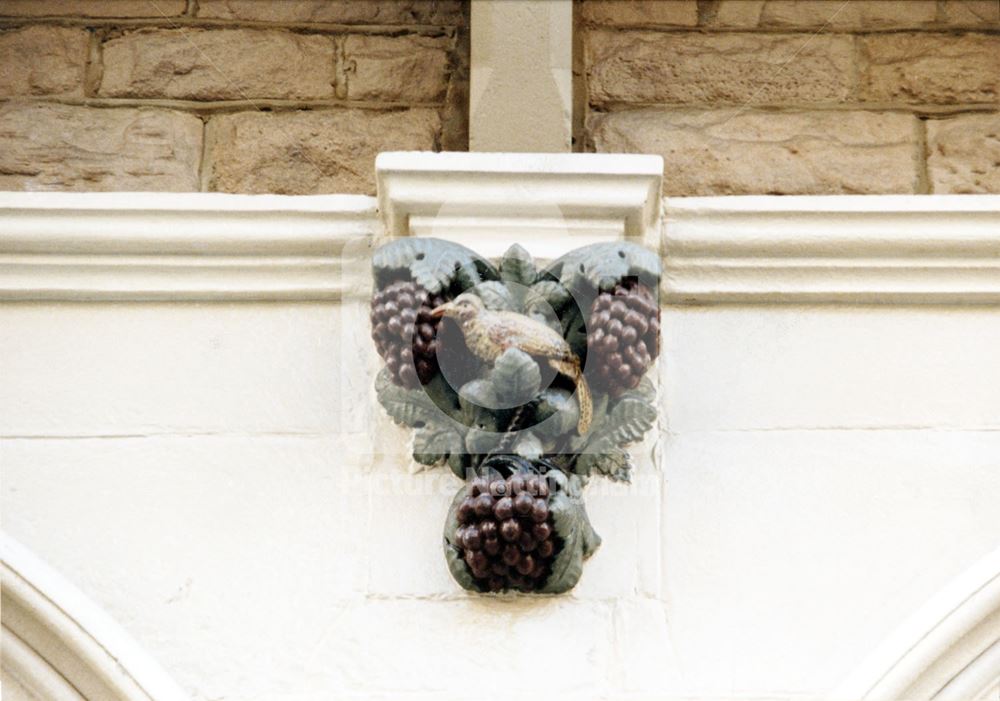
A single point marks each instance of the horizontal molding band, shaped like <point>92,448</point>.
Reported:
<point>851,249</point>
<point>184,247</point>
<point>767,250</point>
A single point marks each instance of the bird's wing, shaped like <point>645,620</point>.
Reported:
<point>513,330</point>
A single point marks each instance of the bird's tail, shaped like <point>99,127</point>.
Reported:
<point>571,368</point>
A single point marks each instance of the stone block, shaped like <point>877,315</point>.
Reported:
<point>964,154</point>
<point>42,60</point>
<point>971,12</point>
<point>630,13</point>
<point>729,152</point>
<point>824,14</point>
<point>447,12</point>
<point>930,68</point>
<point>310,152</point>
<point>64,147</point>
<point>218,64</point>
<point>92,8</point>
<point>681,68</point>
<point>396,69</point>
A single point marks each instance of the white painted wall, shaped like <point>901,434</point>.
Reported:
<point>216,475</point>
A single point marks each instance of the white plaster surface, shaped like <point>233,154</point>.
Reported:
<point>187,467</point>
<point>218,478</point>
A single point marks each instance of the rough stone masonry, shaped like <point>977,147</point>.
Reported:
<point>297,96</point>
<point>797,96</point>
<point>291,97</point>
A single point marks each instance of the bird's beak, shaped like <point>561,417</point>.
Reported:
<point>443,310</point>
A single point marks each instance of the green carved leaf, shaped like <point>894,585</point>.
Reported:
<point>602,450</point>
<point>515,377</point>
<point>518,266</point>
<point>545,301</point>
<point>408,407</point>
<point>435,443</point>
<point>557,413</point>
<point>629,420</point>
<point>481,442</point>
<point>478,393</point>
<point>460,463</point>
<point>603,265</point>
<point>646,390</point>
<point>580,540</point>
<point>456,565</point>
<point>432,263</point>
<point>434,274</point>
<point>600,408</point>
<point>495,295</point>
<point>615,463</point>
<point>568,564</point>
<point>479,405</point>
<point>529,446</point>
<point>550,293</point>
<point>443,395</point>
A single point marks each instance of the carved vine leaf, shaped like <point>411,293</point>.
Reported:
<point>547,293</point>
<point>579,538</point>
<point>575,332</point>
<point>628,420</point>
<point>443,396</point>
<point>615,464</point>
<point>547,301</point>
<point>479,403</point>
<point>496,296</point>
<point>516,377</point>
<point>557,413</point>
<point>432,263</point>
<point>646,390</point>
<point>482,442</point>
<point>456,565</point>
<point>407,407</point>
<point>603,265</point>
<point>435,443</point>
<point>529,445</point>
<point>518,266</point>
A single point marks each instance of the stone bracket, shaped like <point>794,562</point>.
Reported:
<point>549,203</point>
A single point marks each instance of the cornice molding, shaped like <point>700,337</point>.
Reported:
<point>905,249</point>
<point>183,247</point>
<point>900,249</point>
<point>550,203</point>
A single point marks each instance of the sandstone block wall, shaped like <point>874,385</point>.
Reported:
<point>796,96</point>
<point>296,96</point>
<point>289,96</point>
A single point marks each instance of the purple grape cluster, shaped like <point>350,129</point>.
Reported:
<point>405,333</point>
<point>506,534</point>
<point>623,337</point>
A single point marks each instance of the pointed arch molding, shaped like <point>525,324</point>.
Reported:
<point>57,644</point>
<point>949,650</point>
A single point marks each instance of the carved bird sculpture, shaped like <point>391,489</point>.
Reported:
<point>489,333</point>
